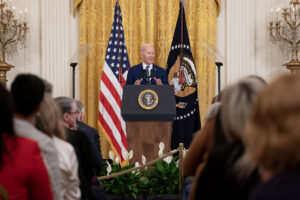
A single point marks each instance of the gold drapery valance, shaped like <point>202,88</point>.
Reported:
<point>144,21</point>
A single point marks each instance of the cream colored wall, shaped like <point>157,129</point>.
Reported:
<point>53,38</point>
<point>242,42</point>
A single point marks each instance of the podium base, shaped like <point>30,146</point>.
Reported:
<point>143,137</point>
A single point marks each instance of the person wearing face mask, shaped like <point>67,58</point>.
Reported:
<point>147,72</point>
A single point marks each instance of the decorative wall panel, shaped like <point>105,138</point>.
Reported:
<point>243,40</point>
<point>53,37</point>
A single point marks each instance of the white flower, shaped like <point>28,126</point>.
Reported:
<point>177,163</point>
<point>160,153</point>
<point>117,161</point>
<point>111,155</point>
<point>161,149</point>
<point>137,164</point>
<point>161,146</point>
<point>108,169</point>
<point>130,155</point>
<point>168,159</point>
<point>144,159</point>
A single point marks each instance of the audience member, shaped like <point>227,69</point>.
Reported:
<point>92,135</point>
<point>50,122</point>
<point>23,174</point>
<point>222,176</point>
<point>28,91</point>
<point>198,151</point>
<point>80,143</point>
<point>272,139</point>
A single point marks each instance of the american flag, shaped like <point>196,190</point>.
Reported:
<point>113,79</point>
<point>175,85</point>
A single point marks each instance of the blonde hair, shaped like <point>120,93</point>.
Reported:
<point>237,103</point>
<point>49,118</point>
<point>272,136</point>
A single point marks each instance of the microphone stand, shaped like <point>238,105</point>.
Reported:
<point>219,64</point>
<point>145,75</point>
<point>151,75</point>
<point>73,65</point>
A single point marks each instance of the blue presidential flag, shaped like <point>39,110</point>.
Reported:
<point>182,75</point>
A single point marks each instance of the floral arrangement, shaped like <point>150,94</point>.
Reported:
<point>160,178</point>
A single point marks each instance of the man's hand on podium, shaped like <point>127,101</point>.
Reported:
<point>138,82</point>
<point>158,81</point>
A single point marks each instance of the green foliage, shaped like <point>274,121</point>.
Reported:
<point>163,178</point>
<point>160,178</point>
<point>129,184</point>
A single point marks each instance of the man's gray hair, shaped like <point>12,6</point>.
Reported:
<point>65,104</point>
<point>144,46</point>
<point>80,107</point>
<point>48,87</point>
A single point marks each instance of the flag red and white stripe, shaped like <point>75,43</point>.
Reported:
<point>111,122</point>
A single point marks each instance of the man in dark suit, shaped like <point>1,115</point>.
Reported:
<point>80,143</point>
<point>146,72</point>
<point>92,135</point>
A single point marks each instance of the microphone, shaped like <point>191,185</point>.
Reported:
<point>149,77</point>
<point>144,74</point>
<point>145,77</point>
<point>152,73</point>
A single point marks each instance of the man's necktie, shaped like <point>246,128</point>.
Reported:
<point>148,71</point>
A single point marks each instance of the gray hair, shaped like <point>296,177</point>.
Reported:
<point>48,87</point>
<point>257,77</point>
<point>80,107</point>
<point>237,103</point>
<point>144,46</point>
<point>65,104</point>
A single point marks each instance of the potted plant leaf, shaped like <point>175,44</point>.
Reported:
<point>124,187</point>
<point>162,180</point>
<point>158,181</point>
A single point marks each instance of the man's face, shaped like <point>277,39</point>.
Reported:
<point>148,55</point>
<point>72,115</point>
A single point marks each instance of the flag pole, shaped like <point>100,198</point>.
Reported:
<point>181,70</point>
<point>120,77</point>
<point>181,29</point>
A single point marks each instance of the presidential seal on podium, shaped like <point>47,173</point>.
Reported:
<point>148,99</point>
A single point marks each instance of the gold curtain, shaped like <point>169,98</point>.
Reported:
<point>144,21</point>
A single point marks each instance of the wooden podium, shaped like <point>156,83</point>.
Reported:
<point>148,111</point>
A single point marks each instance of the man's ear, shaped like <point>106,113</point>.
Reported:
<point>81,117</point>
<point>65,116</point>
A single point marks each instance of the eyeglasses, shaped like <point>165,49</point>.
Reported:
<point>76,112</point>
